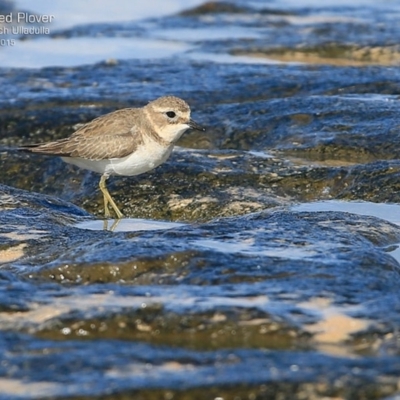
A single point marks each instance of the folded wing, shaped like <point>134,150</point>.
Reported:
<point>113,135</point>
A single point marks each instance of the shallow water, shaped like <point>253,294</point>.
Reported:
<point>91,11</point>
<point>45,51</point>
<point>132,30</point>
<point>388,212</point>
<point>127,225</point>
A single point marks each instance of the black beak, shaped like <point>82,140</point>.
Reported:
<point>195,125</point>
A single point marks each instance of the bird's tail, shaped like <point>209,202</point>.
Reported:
<point>53,148</point>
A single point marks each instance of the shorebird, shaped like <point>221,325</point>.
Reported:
<point>125,142</point>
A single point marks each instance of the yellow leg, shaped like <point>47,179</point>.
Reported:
<point>106,210</point>
<point>108,199</point>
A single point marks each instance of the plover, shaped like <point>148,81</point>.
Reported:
<point>125,142</point>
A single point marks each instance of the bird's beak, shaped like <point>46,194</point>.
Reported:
<point>195,125</point>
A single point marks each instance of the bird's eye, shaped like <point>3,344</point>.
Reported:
<point>171,114</point>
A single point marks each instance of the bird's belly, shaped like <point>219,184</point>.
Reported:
<point>142,160</point>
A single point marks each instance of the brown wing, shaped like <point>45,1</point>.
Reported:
<point>112,135</point>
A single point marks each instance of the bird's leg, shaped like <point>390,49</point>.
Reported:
<point>108,199</point>
<point>103,189</point>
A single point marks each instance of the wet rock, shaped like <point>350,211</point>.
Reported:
<point>212,7</point>
<point>330,53</point>
<point>194,186</point>
<point>201,185</point>
<point>324,134</point>
<point>196,298</point>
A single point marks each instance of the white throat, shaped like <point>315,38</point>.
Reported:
<point>171,133</point>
